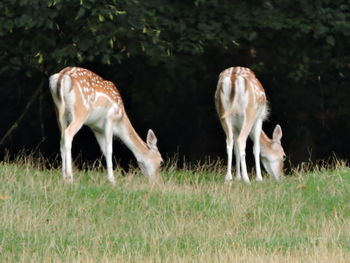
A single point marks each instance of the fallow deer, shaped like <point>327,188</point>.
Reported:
<point>242,107</point>
<point>84,98</point>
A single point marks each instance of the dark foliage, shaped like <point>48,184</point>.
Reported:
<point>165,57</point>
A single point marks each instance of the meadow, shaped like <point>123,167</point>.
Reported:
<point>192,217</point>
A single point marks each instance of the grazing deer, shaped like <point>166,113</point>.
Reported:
<point>82,97</point>
<point>242,107</point>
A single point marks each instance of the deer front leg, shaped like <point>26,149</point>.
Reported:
<point>238,162</point>
<point>109,151</point>
<point>241,145</point>
<point>105,140</point>
<point>256,148</point>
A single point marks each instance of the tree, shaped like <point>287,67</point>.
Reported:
<point>166,56</point>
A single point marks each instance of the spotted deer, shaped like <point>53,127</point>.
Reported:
<point>242,107</point>
<point>84,98</point>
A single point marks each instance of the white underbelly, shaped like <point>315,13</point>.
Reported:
<point>97,118</point>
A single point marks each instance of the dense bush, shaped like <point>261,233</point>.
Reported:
<point>165,57</point>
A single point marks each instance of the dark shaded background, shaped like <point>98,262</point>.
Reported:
<point>165,57</point>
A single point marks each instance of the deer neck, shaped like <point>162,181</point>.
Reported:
<point>126,132</point>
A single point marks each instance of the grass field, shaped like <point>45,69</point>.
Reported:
<point>193,217</point>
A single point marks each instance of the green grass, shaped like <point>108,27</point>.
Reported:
<point>193,217</point>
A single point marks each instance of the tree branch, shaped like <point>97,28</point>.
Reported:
<point>15,125</point>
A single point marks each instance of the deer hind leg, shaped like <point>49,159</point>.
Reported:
<point>66,147</point>
<point>105,140</point>
<point>256,131</point>
<point>61,118</point>
<point>62,123</point>
<point>241,146</point>
<point>227,125</point>
<point>229,148</point>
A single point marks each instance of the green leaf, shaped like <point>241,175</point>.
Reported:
<point>111,43</point>
<point>51,3</point>
<point>40,59</point>
<point>119,12</point>
<point>101,18</point>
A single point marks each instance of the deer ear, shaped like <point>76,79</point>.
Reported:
<point>277,134</point>
<point>151,140</point>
